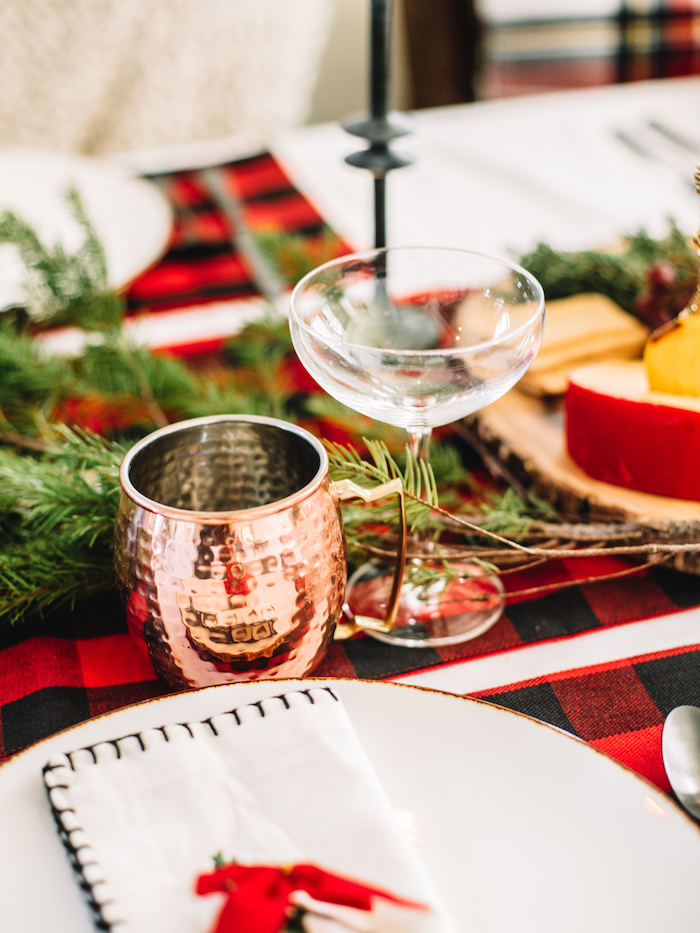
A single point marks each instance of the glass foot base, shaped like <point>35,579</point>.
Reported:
<point>439,612</point>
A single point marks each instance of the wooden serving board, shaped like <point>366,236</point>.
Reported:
<point>526,435</point>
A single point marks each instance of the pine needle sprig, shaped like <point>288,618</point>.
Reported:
<point>57,515</point>
<point>232,399</point>
<point>116,367</point>
<point>91,261</point>
<point>52,582</point>
<point>626,276</point>
<point>261,345</point>
<point>446,464</point>
<point>172,391</point>
<point>63,288</point>
<point>72,488</point>
<point>562,274</point>
<point>508,514</point>
<point>31,381</point>
<point>293,255</point>
<point>417,477</point>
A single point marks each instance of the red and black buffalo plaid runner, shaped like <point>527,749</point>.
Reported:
<point>618,707</point>
<point>203,263</point>
<point>57,672</point>
<point>77,664</point>
<point>527,620</point>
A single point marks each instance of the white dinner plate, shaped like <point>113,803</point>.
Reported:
<point>131,216</point>
<point>523,827</point>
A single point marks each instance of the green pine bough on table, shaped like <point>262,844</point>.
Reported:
<point>651,279</point>
<point>65,424</point>
<point>61,288</point>
<point>57,511</point>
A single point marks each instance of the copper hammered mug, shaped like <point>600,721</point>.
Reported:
<point>230,551</point>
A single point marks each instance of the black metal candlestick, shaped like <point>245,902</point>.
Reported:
<point>381,126</point>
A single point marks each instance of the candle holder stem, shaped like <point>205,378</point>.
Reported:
<point>381,126</point>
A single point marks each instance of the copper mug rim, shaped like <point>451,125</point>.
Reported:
<point>257,511</point>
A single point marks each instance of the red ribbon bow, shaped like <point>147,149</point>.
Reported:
<point>259,895</point>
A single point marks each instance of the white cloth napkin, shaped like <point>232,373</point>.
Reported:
<point>280,781</point>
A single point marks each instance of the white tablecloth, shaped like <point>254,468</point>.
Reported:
<point>499,175</point>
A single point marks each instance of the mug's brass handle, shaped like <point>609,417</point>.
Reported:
<point>348,490</point>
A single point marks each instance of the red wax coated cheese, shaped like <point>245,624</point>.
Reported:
<point>620,432</point>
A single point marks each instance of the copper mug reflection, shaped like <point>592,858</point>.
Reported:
<point>230,552</point>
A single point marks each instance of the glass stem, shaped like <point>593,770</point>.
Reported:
<point>419,445</point>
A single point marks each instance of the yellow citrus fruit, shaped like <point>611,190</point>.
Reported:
<point>672,357</point>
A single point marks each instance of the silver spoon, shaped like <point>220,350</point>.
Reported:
<point>680,748</point>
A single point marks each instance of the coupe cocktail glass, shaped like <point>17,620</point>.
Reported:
<point>417,338</point>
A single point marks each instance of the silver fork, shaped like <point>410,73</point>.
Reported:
<point>673,136</point>
<point>642,149</point>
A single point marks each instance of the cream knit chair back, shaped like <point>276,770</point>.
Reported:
<point>101,76</point>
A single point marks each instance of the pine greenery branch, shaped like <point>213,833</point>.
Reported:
<point>211,399</point>
<point>623,276</point>
<point>36,388</point>
<point>62,288</point>
<point>420,479</point>
<point>71,489</point>
<point>261,344</point>
<point>368,529</point>
<point>509,514</point>
<point>563,274</point>
<point>417,477</point>
<point>57,515</point>
<point>644,249</point>
<point>90,259</point>
<point>294,255</point>
<point>503,513</point>
<point>37,579</point>
<point>112,376</point>
<point>112,367</point>
<point>30,382</point>
<point>446,464</point>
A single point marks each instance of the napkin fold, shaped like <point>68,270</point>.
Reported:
<point>278,782</point>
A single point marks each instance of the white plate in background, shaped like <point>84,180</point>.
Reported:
<point>131,216</point>
<point>522,826</point>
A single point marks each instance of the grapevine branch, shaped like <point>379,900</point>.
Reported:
<point>666,547</point>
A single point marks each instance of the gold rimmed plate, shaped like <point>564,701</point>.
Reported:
<point>522,826</point>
